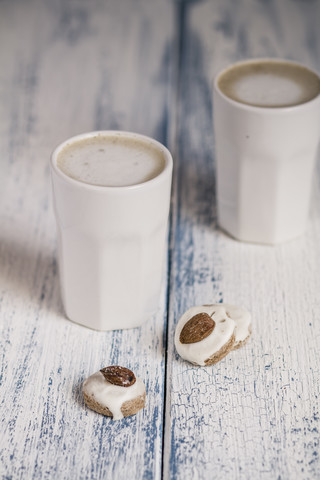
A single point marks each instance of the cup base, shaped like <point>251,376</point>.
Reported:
<point>259,241</point>
<point>103,328</point>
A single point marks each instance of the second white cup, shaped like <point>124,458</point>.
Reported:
<point>267,125</point>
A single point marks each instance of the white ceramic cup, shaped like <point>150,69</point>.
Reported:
<point>111,244</point>
<point>265,159</point>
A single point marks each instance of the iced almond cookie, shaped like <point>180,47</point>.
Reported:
<point>114,391</point>
<point>243,323</point>
<point>205,334</point>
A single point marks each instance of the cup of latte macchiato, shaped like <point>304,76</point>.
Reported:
<point>267,132</point>
<point>111,194</point>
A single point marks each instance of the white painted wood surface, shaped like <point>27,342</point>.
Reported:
<point>255,415</point>
<point>146,66</point>
<point>66,68</point>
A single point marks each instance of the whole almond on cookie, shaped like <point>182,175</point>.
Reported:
<point>197,328</point>
<point>121,376</point>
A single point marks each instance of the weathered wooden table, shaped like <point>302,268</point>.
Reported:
<point>147,66</point>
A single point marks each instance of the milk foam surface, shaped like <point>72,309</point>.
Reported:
<point>111,160</point>
<point>269,83</point>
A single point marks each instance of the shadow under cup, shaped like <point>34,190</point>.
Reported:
<point>265,154</point>
<point>111,241</point>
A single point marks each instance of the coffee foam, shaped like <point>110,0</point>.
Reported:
<point>111,160</point>
<point>267,83</point>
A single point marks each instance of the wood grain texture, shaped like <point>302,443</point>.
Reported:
<point>256,413</point>
<point>147,66</point>
<point>69,67</point>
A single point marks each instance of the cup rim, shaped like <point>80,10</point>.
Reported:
<point>255,108</point>
<point>109,133</point>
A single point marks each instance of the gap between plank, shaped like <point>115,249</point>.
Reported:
<point>179,9</point>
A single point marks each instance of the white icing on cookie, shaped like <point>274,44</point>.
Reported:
<point>112,396</point>
<point>242,318</point>
<point>199,352</point>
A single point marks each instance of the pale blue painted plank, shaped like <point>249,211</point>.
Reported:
<point>69,67</point>
<point>256,413</point>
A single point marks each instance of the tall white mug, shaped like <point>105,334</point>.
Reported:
<point>111,242</point>
<point>265,155</point>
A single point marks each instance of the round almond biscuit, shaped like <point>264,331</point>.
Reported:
<point>213,347</point>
